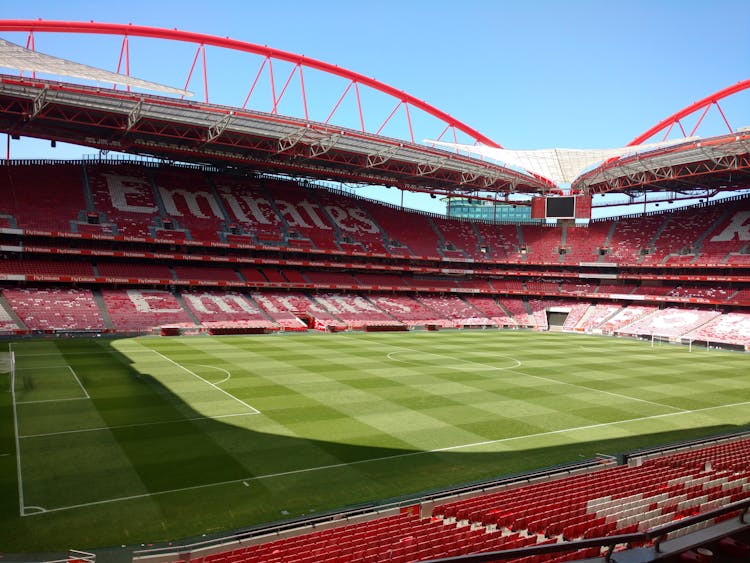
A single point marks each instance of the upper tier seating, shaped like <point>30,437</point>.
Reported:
<point>703,292</point>
<point>743,259</point>
<point>225,308</point>
<point>252,275</point>
<point>632,236</point>
<point>460,238</point>
<point>513,284</point>
<point>191,202</point>
<point>576,287</point>
<point>413,230</point>
<point>681,231</point>
<point>134,270</point>
<point>55,308</point>
<point>293,276</point>
<point>500,242</point>
<point>331,278</point>
<point>542,243</point>
<point>582,244</point>
<point>357,230</point>
<point>475,283</point>
<point>178,203</point>
<point>368,279</point>
<point>45,198</point>
<point>123,193</point>
<point>617,289</point>
<point>421,281</point>
<point>35,267</point>
<point>653,289</point>
<point>539,286</point>
<point>730,234</point>
<point>213,273</point>
<point>251,211</point>
<point>143,309</point>
<point>302,215</point>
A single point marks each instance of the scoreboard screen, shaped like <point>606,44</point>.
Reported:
<point>561,207</point>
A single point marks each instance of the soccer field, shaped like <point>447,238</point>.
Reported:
<point>136,440</point>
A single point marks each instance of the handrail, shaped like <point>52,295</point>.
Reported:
<point>658,534</point>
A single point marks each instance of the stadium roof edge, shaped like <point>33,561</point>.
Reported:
<point>238,45</point>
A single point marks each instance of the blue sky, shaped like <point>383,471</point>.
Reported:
<point>528,74</point>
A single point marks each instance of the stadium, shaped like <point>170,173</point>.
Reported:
<point>221,348</point>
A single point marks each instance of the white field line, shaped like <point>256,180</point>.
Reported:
<point>385,458</point>
<point>228,394</point>
<point>551,380</point>
<point>36,509</point>
<point>79,383</point>
<point>227,378</point>
<point>52,401</point>
<point>21,509</point>
<point>32,368</point>
<point>75,376</point>
<point>57,354</point>
<point>135,425</point>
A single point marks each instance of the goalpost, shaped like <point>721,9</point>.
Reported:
<point>8,365</point>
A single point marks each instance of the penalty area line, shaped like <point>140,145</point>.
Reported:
<point>227,378</point>
<point>136,425</point>
<point>383,458</point>
<point>207,382</point>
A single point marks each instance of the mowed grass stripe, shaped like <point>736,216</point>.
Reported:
<point>305,420</point>
<point>379,428</point>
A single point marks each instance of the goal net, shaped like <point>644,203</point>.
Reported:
<point>8,365</point>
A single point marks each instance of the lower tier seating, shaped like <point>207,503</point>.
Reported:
<point>609,501</point>
<point>55,309</point>
<point>670,323</point>
<point>226,309</point>
<point>144,309</point>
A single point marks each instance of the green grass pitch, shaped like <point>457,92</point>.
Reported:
<point>139,440</point>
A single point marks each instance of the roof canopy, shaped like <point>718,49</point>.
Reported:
<point>19,58</point>
<point>562,166</point>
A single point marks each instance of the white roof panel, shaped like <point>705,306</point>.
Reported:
<point>19,58</point>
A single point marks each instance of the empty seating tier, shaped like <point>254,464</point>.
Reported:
<point>609,501</point>
<point>138,310</point>
<point>56,308</point>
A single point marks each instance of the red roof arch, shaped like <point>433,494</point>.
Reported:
<point>704,104</point>
<point>201,39</point>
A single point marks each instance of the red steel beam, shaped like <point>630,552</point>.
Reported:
<point>99,28</point>
<point>700,104</point>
